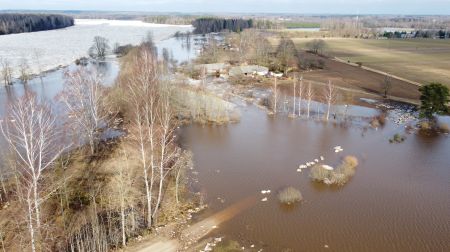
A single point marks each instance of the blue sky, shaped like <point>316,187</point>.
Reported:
<point>269,6</point>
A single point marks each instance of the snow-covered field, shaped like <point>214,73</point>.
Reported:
<point>50,49</point>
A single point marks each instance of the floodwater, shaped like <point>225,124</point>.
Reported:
<point>47,50</point>
<point>398,200</point>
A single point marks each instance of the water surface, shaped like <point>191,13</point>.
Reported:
<point>399,199</point>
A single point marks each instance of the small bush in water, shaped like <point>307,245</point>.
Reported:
<point>338,176</point>
<point>289,195</point>
<point>397,138</point>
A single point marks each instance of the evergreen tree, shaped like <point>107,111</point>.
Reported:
<point>434,100</point>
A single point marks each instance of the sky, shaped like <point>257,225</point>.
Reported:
<point>441,7</point>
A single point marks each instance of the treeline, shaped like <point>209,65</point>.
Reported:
<point>208,25</point>
<point>19,23</point>
<point>438,34</point>
<point>173,20</point>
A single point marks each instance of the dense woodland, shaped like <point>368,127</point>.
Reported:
<point>19,23</point>
<point>208,25</point>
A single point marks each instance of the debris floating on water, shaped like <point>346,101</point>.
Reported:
<point>265,191</point>
<point>327,167</point>
<point>338,149</point>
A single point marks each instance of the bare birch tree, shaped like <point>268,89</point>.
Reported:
<point>31,133</point>
<point>143,96</point>
<point>330,96</point>
<point>166,137</point>
<point>82,96</point>
<point>309,96</point>
<point>300,95</point>
<point>295,95</point>
<point>275,95</point>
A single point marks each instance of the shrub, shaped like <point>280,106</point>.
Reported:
<point>425,125</point>
<point>289,195</point>
<point>378,121</point>
<point>338,176</point>
<point>375,123</point>
<point>350,161</point>
<point>320,174</point>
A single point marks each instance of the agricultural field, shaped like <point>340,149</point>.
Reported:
<point>418,60</point>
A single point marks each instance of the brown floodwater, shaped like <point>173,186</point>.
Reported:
<point>398,200</point>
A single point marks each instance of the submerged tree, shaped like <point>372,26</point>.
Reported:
<point>309,96</point>
<point>24,70</point>
<point>300,96</point>
<point>99,48</point>
<point>6,71</point>
<point>434,100</point>
<point>275,95</point>
<point>330,96</point>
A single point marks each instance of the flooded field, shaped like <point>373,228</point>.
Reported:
<point>398,199</point>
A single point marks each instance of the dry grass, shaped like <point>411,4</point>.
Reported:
<point>202,107</point>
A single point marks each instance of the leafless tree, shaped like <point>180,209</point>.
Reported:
<point>37,59</point>
<point>24,69</point>
<point>386,85</point>
<point>6,71</point>
<point>99,48</point>
<point>143,98</point>
<point>31,133</point>
<point>316,46</point>
<point>82,95</point>
<point>275,95</point>
<point>300,94</point>
<point>166,137</point>
<point>262,50</point>
<point>295,94</point>
<point>309,96</point>
<point>330,96</point>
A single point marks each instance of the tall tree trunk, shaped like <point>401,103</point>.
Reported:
<point>30,222</point>
<point>36,203</point>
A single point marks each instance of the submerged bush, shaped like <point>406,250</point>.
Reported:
<point>397,138</point>
<point>289,195</point>
<point>424,125</point>
<point>378,121</point>
<point>339,176</point>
